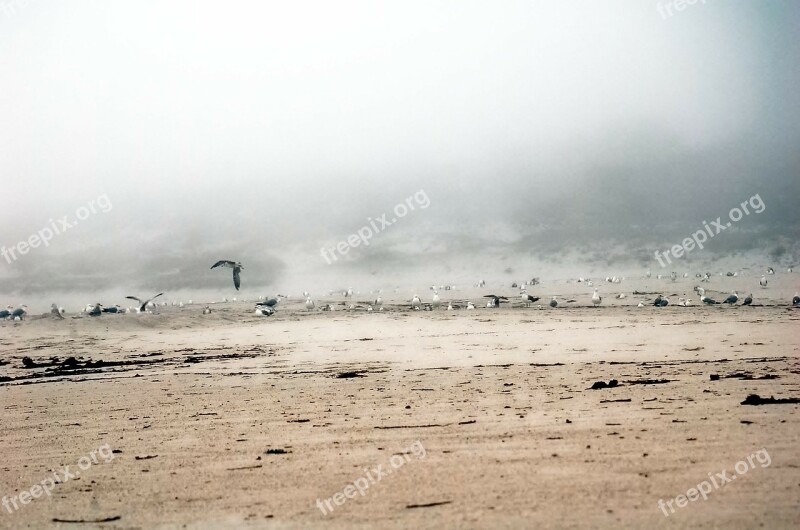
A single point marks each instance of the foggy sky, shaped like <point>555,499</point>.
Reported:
<point>263,131</point>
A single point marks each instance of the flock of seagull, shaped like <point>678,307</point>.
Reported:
<point>266,306</point>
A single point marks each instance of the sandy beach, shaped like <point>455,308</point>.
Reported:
<point>400,418</point>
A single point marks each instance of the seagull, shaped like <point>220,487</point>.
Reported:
<point>309,303</point>
<point>19,314</point>
<point>673,276</point>
<point>749,299</point>
<point>661,302</point>
<point>554,302</point>
<point>235,265</point>
<point>206,310</point>
<point>449,306</point>
<point>97,310</point>
<point>528,299</point>
<point>113,309</point>
<point>496,300</point>
<point>732,299</point>
<point>416,303</point>
<point>641,304</point>
<point>648,273</point>
<point>796,300</point>
<point>470,305</point>
<point>142,305</point>
<point>378,302</point>
<point>56,312</point>
<point>763,281</point>
<point>704,298</point>
<point>770,270</point>
<point>264,311</point>
<point>272,302</point>
<point>621,296</point>
<point>435,299</point>
<point>596,298</point>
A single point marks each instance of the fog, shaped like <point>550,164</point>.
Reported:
<point>550,137</point>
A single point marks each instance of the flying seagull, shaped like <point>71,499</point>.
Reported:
<point>497,299</point>
<point>236,266</point>
<point>143,305</point>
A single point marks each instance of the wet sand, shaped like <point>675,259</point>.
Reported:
<point>233,420</point>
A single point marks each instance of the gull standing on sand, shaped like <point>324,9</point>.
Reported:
<point>763,281</point>
<point>309,303</point>
<point>554,302</point>
<point>435,300</point>
<point>733,298</point>
<point>527,299</point>
<point>796,300</point>
<point>235,265</point>
<point>272,302</point>
<point>596,298</point>
<point>416,303</point>
<point>749,299</point>
<point>704,298</point>
<point>56,312</point>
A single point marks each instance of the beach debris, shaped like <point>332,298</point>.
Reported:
<point>755,399</point>
<point>602,384</point>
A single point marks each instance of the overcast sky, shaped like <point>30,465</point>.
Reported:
<point>262,131</point>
